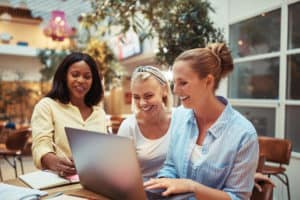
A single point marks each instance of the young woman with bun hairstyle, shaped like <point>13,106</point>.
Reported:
<point>213,150</point>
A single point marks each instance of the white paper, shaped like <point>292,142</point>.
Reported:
<point>43,179</point>
<point>11,192</point>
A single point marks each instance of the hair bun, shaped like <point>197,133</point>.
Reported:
<point>223,54</point>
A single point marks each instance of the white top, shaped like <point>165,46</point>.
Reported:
<point>196,153</point>
<point>151,153</point>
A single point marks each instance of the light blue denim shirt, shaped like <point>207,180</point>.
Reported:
<point>229,154</point>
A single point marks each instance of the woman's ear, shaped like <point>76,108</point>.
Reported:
<point>164,94</point>
<point>210,81</point>
<point>165,91</point>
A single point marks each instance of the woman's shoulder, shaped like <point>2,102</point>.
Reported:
<point>181,112</point>
<point>241,120</point>
<point>128,126</point>
<point>242,127</point>
<point>99,108</point>
<point>44,106</point>
<point>130,121</point>
<point>46,101</point>
<point>49,104</point>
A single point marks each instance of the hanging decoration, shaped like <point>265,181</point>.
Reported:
<point>58,28</point>
<point>72,9</point>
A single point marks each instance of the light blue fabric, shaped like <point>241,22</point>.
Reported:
<point>229,154</point>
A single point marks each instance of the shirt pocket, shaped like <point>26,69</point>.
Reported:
<point>212,174</point>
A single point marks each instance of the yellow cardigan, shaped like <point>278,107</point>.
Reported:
<point>48,121</point>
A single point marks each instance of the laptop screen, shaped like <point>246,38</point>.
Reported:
<point>106,164</point>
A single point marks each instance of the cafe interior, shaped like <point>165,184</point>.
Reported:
<point>264,38</point>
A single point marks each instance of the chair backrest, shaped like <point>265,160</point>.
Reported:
<point>116,122</point>
<point>267,188</point>
<point>261,163</point>
<point>17,139</point>
<point>275,149</point>
<point>1,126</point>
<point>265,194</point>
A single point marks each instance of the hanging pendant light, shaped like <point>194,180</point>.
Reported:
<point>58,29</point>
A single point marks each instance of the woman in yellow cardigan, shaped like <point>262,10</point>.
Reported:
<point>72,101</point>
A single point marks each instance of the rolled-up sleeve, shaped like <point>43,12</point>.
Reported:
<point>42,132</point>
<point>240,183</point>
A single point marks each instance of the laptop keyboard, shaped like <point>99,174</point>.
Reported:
<point>156,195</point>
<point>151,195</point>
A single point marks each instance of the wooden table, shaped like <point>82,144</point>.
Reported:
<point>71,189</point>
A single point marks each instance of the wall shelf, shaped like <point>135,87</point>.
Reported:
<point>15,50</point>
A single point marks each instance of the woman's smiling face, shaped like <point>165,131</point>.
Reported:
<point>190,89</point>
<point>148,96</point>
<point>79,80</point>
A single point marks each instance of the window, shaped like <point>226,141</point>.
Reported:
<point>260,34</point>
<point>292,129</point>
<point>265,84</point>
<point>294,28</point>
<point>293,77</point>
<point>255,79</point>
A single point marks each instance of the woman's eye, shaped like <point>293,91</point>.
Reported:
<point>180,83</point>
<point>136,97</point>
<point>148,96</point>
<point>74,74</point>
<point>87,77</point>
<point>183,83</point>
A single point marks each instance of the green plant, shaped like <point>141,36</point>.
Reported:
<point>179,25</point>
<point>50,58</point>
<point>109,67</point>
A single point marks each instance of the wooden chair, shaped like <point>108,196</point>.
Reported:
<point>267,188</point>
<point>115,122</point>
<point>265,194</point>
<point>13,147</point>
<point>1,133</point>
<point>276,151</point>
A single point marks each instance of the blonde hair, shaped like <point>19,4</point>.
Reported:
<point>144,73</point>
<point>215,59</point>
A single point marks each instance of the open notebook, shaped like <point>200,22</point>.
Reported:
<point>46,179</point>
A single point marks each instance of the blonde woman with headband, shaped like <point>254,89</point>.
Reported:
<point>213,150</point>
<point>148,127</point>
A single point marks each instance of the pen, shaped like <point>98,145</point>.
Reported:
<point>61,151</point>
<point>54,195</point>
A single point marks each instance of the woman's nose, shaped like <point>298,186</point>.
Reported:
<point>143,102</point>
<point>80,79</point>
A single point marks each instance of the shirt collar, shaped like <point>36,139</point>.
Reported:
<point>94,107</point>
<point>190,118</point>
<point>217,128</point>
<point>223,119</point>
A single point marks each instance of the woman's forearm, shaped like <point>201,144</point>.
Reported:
<point>207,193</point>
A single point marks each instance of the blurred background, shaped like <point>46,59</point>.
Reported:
<point>264,37</point>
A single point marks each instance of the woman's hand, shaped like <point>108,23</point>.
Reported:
<point>60,165</point>
<point>261,177</point>
<point>171,186</point>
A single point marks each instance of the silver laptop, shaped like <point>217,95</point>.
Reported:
<point>108,165</point>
